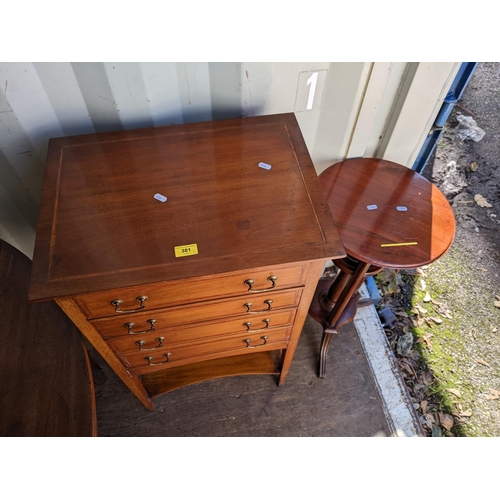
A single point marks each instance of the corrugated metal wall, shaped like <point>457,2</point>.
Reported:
<point>344,110</point>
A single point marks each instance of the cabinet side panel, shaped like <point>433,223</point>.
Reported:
<point>133,383</point>
<point>313,276</point>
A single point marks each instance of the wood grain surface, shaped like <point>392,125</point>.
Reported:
<point>181,222</point>
<point>100,226</point>
<point>412,224</point>
<point>46,386</point>
<point>172,293</point>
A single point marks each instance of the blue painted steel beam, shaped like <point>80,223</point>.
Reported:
<point>456,90</point>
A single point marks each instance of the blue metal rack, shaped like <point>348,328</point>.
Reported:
<point>457,87</point>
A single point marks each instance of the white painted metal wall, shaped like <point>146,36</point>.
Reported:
<point>345,110</point>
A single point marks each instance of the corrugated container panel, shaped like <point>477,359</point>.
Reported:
<point>344,110</point>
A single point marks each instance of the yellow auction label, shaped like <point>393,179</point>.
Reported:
<point>406,244</point>
<point>185,250</point>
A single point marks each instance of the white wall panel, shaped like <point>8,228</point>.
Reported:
<point>194,91</point>
<point>23,139</point>
<point>14,228</point>
<point>162,93</point>
<point>364,141</point>
<point>389,91</point>
<point>344,110</point>
<point>128,91</point>
<point>416,107</point>
<point>63,91</point>
<point>98,96</point>
<point>343,97</point>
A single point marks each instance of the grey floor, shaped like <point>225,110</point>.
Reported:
<point>346,403</point>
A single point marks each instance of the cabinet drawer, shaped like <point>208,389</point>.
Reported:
<point>162,319</point>
<point>159,295</point>
<point>143,362</point>
<point>157,339</point>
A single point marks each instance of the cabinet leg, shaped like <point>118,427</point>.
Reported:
<point>78,318</point>
<point>325,343</point>
<point>313,276</point>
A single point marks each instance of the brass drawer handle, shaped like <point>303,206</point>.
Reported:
<point>149,358</point>
<point>248,324</point>
<point>117,303</point>
<point>248,305</point>
<point>129,327</point>
<point>247,342</point>
<point>140,343</point>
<point>250,283</point>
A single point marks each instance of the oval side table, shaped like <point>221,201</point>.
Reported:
<point>388,216</point>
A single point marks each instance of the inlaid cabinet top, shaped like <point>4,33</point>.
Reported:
<point>158,204</point>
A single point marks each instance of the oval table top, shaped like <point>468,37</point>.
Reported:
<point>386,214</point>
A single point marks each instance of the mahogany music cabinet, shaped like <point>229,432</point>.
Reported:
<point>186,252</point>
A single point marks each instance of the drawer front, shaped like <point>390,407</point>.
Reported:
<point>159,295</point>
<point>241,344</point>
<point>157,339</point>
<point>161,319</point>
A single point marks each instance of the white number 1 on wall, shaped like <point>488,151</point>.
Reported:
<point>312,80</point>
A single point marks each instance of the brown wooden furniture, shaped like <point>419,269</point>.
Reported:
<point>388,216</point>
<point>46,386</point>
<point>177,255</point>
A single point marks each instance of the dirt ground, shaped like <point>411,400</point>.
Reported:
<point>467,280</point>
<point>473,267</point>
<point>477,169</point>
<point>447,335</point>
